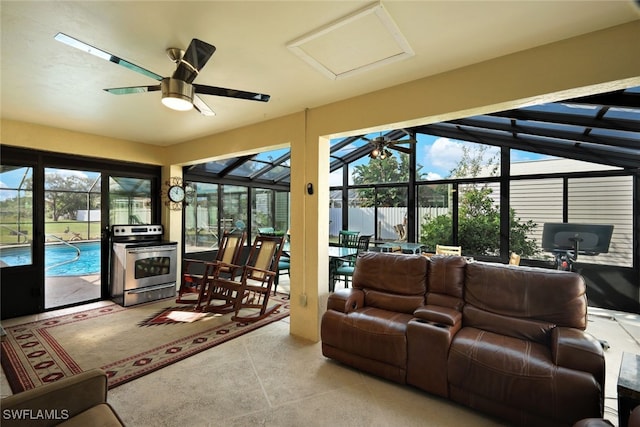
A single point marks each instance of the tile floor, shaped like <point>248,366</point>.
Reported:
<point>271,378</point>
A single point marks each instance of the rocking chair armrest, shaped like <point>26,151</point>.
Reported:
<point>251,269</point>
<point>228,267</point>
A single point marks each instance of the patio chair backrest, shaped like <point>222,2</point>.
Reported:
<point>231,247</point>
<point>348,239</point>
<point>265,254</point>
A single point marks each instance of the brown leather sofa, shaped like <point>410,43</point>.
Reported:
<point>508,341</point>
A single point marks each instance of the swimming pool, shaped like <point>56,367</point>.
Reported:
<point>57,258</point>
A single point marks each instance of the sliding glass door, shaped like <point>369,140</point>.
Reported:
<point>72,237</point>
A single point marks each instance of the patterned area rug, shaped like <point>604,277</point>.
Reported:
<point>125,342</point>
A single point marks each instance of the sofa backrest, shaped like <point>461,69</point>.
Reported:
<point>395,282</point>
<point>446,281</point>
<point>525,302</point>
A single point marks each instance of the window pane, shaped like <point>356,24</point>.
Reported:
<point>438,158</point>
<point>335,214</point>
<point>234,208</point>
<point>282,211</point>
<point>361,211</point>
<point>16,215</point>
<point>605,201</point>
<point>72,205</point>
<point>525,163</point>
<point>479,219</point>
<point>261,210</point>
<point>376,171</point>
<point>435,215</point>
<point>336,178</point>
<point>533,203</point>
<point>201,218</point>
<point>391,205</point>
<point>129,200</point>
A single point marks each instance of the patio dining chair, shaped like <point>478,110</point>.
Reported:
<point>247,293</point>
<point>448,250</point>
<point>196,273</point>
<point>345,271</point>
<point>514,259</point>
<point>348,239</point>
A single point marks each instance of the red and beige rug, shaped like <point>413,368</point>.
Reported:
<point>127,343</point>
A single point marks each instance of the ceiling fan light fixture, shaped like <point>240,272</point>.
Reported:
<point>177,94</point>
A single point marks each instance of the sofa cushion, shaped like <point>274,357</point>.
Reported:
<point>552,296</point>
<point>446,281</point>
<point>520,374</point>
<point>369,332</point>
<point>100,415</point>
<point>522,328</point>
<point>394,282</point>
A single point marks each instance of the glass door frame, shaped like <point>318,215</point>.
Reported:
<point>31,298</point>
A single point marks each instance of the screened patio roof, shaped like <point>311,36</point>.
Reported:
<point>602,128</point>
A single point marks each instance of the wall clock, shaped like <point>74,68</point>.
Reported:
<point>176,193</point>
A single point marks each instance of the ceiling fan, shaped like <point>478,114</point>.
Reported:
<point>381,145</point>
<point>178,91</point>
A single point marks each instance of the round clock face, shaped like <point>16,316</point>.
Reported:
<point>176,193</point>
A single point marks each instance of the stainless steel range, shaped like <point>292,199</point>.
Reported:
<point>143,266</point>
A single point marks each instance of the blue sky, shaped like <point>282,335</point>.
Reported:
<point>439,155</point>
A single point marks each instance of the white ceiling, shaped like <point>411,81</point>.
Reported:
<point>47,82</point>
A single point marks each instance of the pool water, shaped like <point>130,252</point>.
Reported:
<point>56,257</point>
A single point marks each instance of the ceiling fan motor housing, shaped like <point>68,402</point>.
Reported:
<point>176,93</point>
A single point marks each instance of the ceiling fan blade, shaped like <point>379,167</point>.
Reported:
<point>203,108</point>
<point>102,54</point>
<point>400,149</point>
<point>132,89</point>
<point>403,141</point>
<point>195,57</point>
<point>231,93</point>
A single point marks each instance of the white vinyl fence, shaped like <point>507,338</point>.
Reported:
<point>363,220</point>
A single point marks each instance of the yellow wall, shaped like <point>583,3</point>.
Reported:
<point>29,135</point>
<point>598,62</point>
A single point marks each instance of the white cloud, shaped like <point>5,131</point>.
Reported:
<point>439,157</point>
<point>445,153</point>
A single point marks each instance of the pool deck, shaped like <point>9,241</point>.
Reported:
<point>65,290</point>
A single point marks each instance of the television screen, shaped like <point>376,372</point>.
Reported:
<point>592,239</point>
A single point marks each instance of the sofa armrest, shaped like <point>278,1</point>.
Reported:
<point>438,315</point>
<point>346,300</point>
<point>62,399</point>
<point>429,337</point>
<point>575,349</point>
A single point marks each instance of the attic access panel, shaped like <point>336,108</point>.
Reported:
<point>364,40</point>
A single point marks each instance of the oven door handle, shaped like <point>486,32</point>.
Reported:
<point>168,248</point>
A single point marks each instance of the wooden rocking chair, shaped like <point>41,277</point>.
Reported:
<point>197,274</point>
<point>250,291</point>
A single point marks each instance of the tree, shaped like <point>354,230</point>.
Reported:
<point>478,215</point>
<point>66,194</point>
<point>393,169</point>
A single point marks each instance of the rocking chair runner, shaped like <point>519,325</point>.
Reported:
<point>196,274</point>
<point>250,292</point>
